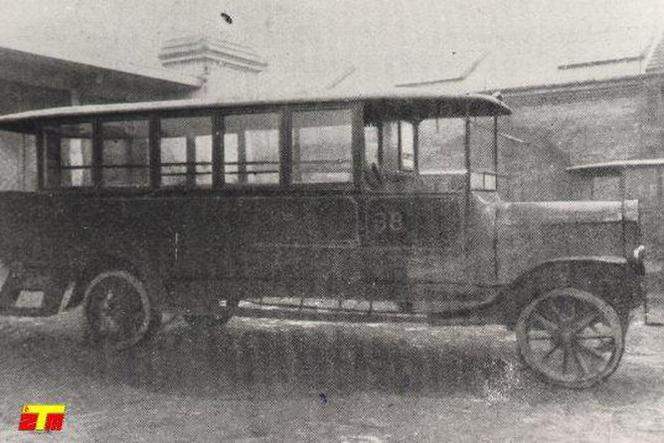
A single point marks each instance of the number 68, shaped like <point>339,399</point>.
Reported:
<point>392,220</point>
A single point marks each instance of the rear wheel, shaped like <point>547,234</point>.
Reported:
<point>120,310</point>
<point>570,337</point>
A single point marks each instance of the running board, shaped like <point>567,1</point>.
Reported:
<point>313,314</point>
<point>249,309</point>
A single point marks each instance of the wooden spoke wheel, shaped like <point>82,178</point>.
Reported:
<point>119,310</point>
<point>570,337</point>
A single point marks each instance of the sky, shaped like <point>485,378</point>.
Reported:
<point>318,36</point>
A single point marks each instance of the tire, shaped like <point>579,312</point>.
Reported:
<point>571,338</point>
<point>119,310</point>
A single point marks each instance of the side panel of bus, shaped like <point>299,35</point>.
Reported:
<point>414,248</point>
<point>273,245</point>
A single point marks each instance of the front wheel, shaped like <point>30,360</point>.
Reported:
<point>120,310</point>
<point>570,337</point>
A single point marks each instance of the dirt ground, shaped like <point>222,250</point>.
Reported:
<point>258,380</point>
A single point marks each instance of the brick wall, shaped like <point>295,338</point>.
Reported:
<point>563,128</point>
<point>651,119</point>
<point>598,124</point>
<point>532,171</point>
<point>586,127</point>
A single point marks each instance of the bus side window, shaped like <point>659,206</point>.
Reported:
<point>251,149</point>
<point>69,155</point>
<point>125,159</point>
<point>186,151</point>
<point>322,146</point>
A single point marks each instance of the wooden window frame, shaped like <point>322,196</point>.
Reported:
<point>46,157</point>
<point>494,150</point>
<point>217,116</point>
<point>191,173</point>
<point>219,160</point>
<point>416,147</point>
<point>98,150</point>
<point>357,145</point>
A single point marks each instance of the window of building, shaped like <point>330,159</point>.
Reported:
<point>322,146</point>
<point>251,148</point>
<point>125,160</point>
<point>69,155</point>
<point>186,151</point>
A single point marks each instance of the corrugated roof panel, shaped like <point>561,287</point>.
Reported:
<point>605,48</point>
<point>585,58</point>
<point>656,62</point>
<point>537,65</point>
<point>417,69</point>
<point>438,67</point>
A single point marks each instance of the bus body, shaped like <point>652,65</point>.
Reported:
<point>364,208</point>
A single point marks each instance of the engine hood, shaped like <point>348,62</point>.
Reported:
<point>557,212</point>
<point>530,233</point>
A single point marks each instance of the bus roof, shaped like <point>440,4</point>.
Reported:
<point>420,103</point>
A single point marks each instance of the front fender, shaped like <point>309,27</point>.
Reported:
<point>612,278</point>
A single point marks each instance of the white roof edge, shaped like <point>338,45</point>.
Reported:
<point>114,65</point>
<point>617,164</point>
<point>657,40</point>
<point>449,79</point>
<point>227,102</point>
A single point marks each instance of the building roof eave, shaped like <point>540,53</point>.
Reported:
<point>97,64</point>
<point>585,85</point>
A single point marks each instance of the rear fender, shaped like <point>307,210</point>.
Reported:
<point>136,261</point>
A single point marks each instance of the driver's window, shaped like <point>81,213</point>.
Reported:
<point>407,146</point>
<point>442,146</point>
<point>398,146</point>
<point>482,152</point>
<point>371,146</point>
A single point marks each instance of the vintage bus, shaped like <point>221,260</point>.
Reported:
<point>372,208</point>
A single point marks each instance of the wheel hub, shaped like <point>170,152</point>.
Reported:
<point>566,336</point>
